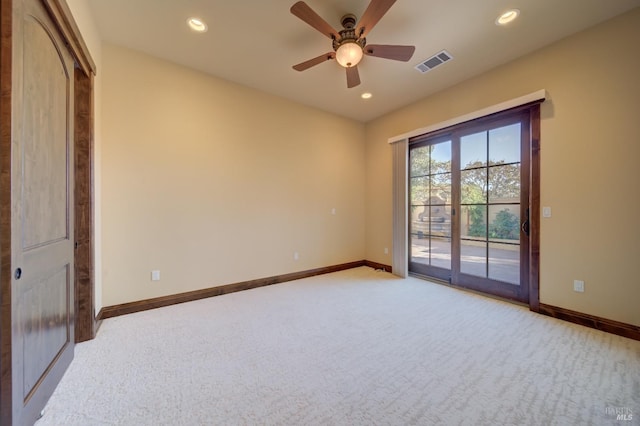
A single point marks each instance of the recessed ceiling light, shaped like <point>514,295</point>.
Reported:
<point>366,95</point>
<point>507,17</point>
<point>197,24</point>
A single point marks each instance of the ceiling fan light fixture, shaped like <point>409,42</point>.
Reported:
<point>507,17</point>
<point>349,54</point>
<point>197,25</point>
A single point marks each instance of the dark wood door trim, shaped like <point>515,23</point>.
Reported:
<point>534,212</point>
<point>6,40</point>
<point>85,325</point>
<point>63,19</point>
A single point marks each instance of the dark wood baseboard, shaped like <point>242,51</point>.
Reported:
<point>376,265</point>
<point>603,324</point>
<point>158,302</point>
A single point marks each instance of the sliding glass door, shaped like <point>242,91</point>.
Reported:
<point>469,204</point>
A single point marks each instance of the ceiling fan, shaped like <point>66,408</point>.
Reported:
<point>350,44</point>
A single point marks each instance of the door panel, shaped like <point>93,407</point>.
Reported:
<point>44,143</point>
<point>45,324</point>
<point>494,190</point>
<point>42,199</point>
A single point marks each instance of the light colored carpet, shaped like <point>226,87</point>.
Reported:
<point>357,347</point>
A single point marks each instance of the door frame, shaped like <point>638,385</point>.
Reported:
<point>530,102</point>
<point>84,284</point>
<point>454,134</point>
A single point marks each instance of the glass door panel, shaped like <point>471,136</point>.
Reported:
<point>473,258</point>
<point>473,150</point>
<point>504,144</point>
<point>504,263</point>
<point>431,209</point>
<point>490,206</point>
<point>504,183</point>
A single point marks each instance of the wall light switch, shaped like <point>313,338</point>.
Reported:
<point>333,210</point>
<point>546,212</point>
<point>155,275</point>
<point>578,286</point>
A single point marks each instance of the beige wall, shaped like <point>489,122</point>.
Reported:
<point>590,154</point>
<point>82,15</point>
<point>214,183</point>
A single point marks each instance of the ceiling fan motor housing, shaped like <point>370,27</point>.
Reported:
<point>348,21</point>
<point>348,34</point>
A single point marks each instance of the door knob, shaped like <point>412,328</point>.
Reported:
<point>18,273</point>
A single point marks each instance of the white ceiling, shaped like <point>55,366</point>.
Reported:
<point>256,42</point>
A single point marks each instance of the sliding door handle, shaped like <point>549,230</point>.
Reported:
<point>525,224</point>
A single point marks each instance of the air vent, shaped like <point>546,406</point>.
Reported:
<point>432,62</point>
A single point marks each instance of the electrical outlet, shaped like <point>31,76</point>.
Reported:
<point>296,256</point>
<point>333,211</point>
<point>578,286</point>
<point>386,250</point>
<point>155,275</point>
